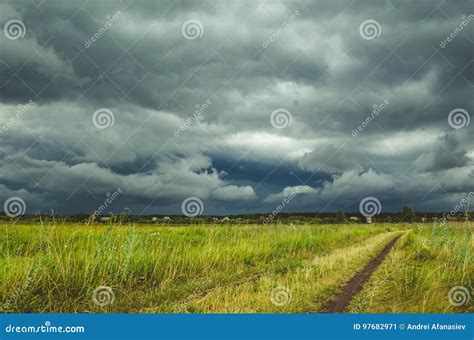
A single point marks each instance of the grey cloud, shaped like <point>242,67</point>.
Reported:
<point>331,158</point>
<point>448,153</point>
<point>318,68</point>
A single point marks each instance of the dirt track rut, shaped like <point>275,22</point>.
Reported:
<point>355,284</point>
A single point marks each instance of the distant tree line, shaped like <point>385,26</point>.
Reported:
<point>407,215</point>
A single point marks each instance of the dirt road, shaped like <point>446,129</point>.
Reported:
<point>355,284</point>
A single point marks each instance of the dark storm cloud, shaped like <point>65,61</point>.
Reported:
<point>192,116</point>
<point>450,153</point>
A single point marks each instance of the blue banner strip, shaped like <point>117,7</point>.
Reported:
<point>238,326</point>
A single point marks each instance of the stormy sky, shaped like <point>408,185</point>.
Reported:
<point>237,103</point>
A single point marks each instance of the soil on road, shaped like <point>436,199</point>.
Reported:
<point>355,284</point>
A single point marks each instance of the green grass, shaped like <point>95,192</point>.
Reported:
<point>205,269</point>
<point>419,273</point>
<point>309,285</point>
<point>55,268</point>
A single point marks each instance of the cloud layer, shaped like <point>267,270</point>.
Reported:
<point>237,103</point>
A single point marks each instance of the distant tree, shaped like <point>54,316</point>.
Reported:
<point>340,216</point>
<point>408,214</point>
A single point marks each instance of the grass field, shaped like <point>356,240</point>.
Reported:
<point>419,273</point>
<point>228,269</point>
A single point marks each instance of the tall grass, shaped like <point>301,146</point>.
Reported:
<point>418,275</point>
<point>303,289</point>
<point>56,267</point>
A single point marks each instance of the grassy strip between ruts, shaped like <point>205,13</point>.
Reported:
<point>430,270</point>
<point>304,289</point>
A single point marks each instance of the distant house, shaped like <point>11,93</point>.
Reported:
<point>368,219</point>
<point>154,218</point>
<point>104,219</point>
<point>166,218</point>
<point>215,220</point>
<point>225,219</point>
<point>353,218</point>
